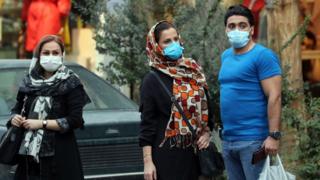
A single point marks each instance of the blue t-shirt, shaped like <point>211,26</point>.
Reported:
<point>242,100</point>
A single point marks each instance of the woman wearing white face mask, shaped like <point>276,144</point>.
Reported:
<point>51,98</point>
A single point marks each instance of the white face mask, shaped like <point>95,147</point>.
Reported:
<point>50,63</point>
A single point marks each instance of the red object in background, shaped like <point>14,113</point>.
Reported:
<point>256,8</point>
<point>43,17</point>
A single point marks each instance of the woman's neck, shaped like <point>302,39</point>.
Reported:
<point>47,74</point>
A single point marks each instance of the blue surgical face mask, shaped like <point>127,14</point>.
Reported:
<point>173,51</point>
<point>238,39</point>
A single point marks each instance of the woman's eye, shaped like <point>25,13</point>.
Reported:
<point>55,53</point>
<point>167,41</point>
<point>45,53</point>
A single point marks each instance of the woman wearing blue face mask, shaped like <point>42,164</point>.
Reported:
<point>168,145</point>
<point>51,98</point>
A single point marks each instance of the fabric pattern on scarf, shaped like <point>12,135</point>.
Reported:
<point>33,138</point>
<point>189,86</point>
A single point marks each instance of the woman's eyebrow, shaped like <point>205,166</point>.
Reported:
<point>47,50</point>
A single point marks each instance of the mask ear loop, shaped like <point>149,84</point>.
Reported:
<point>180,40</point>
<point>182,45</point>
<point>63,55</point>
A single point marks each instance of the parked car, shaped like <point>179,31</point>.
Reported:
<point>109,143</point>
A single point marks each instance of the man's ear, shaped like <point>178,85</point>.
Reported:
<point>225,31</point>
<point>252,30</point>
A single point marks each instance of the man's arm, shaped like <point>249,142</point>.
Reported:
<point>272,89</point>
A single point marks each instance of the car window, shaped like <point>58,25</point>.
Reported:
<point>102,95</point>
<point>9,81</point>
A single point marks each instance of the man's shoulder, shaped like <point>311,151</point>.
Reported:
<point>226,53</point>
<point>263,49</point>
<point>266,53</point>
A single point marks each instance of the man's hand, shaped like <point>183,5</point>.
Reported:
<point>271,146</point>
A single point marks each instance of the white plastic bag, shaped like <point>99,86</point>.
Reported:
<point>215,138</point>
<point>275,171</point>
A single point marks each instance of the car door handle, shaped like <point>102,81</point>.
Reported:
<point>111,131</point>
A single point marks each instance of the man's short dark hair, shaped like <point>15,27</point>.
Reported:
<point>239,10</point>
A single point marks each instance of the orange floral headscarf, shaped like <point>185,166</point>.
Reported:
<point>189,86</point>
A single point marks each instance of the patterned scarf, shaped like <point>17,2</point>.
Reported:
<point>189,86</point>
<point>40,108</point>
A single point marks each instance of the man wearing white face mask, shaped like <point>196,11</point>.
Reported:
<point>250,97</point>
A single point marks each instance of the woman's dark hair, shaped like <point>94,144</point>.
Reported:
<point>37,50</point>
<point>239,10</point>
<point>164,25</point>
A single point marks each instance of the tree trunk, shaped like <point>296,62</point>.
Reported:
<point>227,3</point>
<point>283,23</point>
<point>131,87</point>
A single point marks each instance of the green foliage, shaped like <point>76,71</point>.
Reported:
<point>122,35</point>
<point>303,121</point>
<point>309,145</point>
<point>306,125</point>
<point>202,30</point>
<point>301,31</point>
<point>291,117</point>
<point>86,9</point>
